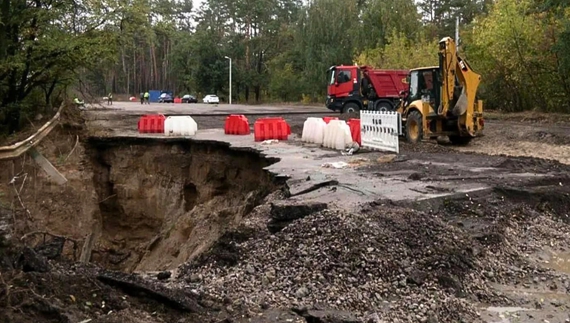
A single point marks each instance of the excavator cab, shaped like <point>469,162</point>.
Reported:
<point>424,85</point>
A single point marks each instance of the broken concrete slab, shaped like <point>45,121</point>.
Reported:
<point>31,261</point>
<point>284,212</point>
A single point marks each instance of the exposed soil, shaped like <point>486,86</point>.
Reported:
<point>163,203</point>
<point>216,238</point>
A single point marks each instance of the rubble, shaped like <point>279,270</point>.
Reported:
<point>352,262</point>
<point>399,263</point>
<point>284,212</point>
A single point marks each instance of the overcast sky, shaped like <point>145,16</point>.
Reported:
<point>196,3</point>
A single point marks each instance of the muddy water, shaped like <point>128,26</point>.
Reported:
<point>559,262</point>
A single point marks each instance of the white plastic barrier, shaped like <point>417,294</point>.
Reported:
<point>314,130</point>
<point>380,130</point>
<point>180,126</point>
<point>337,135</point>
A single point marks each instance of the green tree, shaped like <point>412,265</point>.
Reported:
<point>42,43</point>
<point>511,48</point>
<point>401,52</point>
<point>381,17</point>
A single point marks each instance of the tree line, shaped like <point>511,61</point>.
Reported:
<point>280,49</point>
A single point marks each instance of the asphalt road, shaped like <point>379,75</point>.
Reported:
<point>202,108</point>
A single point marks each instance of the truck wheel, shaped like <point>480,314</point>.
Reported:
<point>384,106</point>
<point>414,127</point>
<point>460,141</point>
<point>350,108</point>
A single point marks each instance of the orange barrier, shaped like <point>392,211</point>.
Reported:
<point>354,125</point>
<point>271,128</point>
<point>151,123</point>
<point>236,124</point>
<point>177,100</point>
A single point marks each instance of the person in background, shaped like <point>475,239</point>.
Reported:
<point>78,103</point>
<point>147,97</point>
<point>142,98</point>
<point>110,99</point>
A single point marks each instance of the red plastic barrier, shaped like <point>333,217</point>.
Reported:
<point>177,100</point>
<point>271,128</point>
<point>236,124</point>
<point>328,119</point>
<point>354,125</point>
<point>151,123</point>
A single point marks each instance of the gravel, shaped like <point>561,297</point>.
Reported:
<point>402,263</point>
<point>440,264</point>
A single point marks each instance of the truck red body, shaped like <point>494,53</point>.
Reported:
<point>354,88</point>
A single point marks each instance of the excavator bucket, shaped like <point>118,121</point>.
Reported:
<point>461,105</point>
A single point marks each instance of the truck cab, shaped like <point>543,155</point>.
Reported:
<point>354,88</point>
<point>344,88</point>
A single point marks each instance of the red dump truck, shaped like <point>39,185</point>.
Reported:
<point>355,88</point>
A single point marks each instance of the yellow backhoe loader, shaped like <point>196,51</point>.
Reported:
<point>441,100</point>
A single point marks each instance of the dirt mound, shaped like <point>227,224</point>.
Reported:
<point>548,137</point>
<point>430,146</point>
<point>510,224</point>
<point>532,165</point>
<point>352,262</point>
<point>554,202</point>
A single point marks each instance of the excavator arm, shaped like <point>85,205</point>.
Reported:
<point>460,98</point>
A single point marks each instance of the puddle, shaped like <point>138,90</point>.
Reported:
<point>559,262</point>
<point>482,169</point>
<point>506,309</point>
<point>543,295</point>
<point>504,314</point>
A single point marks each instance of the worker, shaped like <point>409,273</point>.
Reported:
<point>142,98</point>
<point>110,99</point>
<point>78,103</point>
<point>147,97</point>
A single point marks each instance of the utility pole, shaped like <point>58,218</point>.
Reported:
<point>230,79</point>
<point>457,33</point>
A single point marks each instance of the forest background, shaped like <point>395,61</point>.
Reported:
<point>280,49</point>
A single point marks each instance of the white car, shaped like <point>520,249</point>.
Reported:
<point>211,98</point>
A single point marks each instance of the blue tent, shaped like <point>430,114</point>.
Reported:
<point>154,95</point>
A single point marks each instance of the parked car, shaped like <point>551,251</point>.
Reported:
<point>165,98</point>
<point>189,99</point>
<point>211,98</point>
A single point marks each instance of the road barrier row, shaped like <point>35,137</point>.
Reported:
<point>171,126</point>
<point>375,130</point>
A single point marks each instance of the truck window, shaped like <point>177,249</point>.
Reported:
<point>413,85</point>
<point>332,76</point>
<point>428,80</point>
<point>344,76</point>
